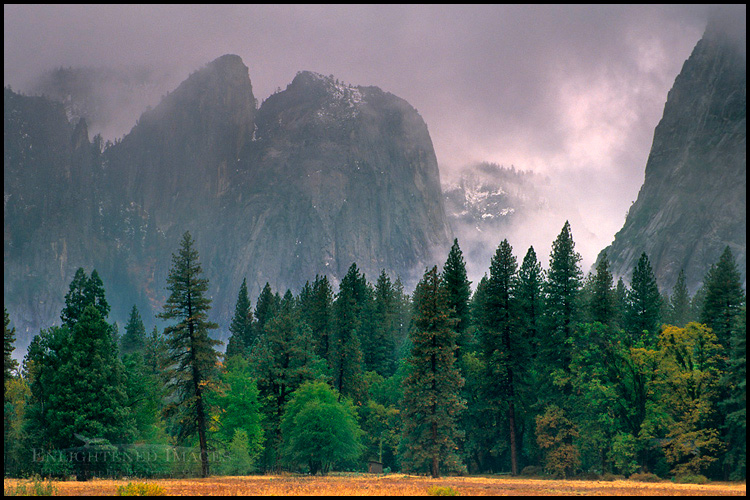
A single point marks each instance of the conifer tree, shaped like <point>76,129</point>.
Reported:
<point>561,306</point>
<point>500,340</point>
<point>9,335</point>
<point>191,357</point>
<point>724,297</point>
<point>620,299</point>
<point>346,351</point>
<point>735,405</point>
<point>431,405</point>
<point>83,291</point>
<point>282,359</point>
<point>602,305</point>
<point>134,339</point>
<point>531,298</point>
<point>642,312</point>
<point>679,303</point>
<point>266,308</point>
<point>458,287</point>
<point>241,329</point>
<point>77,379</point>
<point>381,347</point>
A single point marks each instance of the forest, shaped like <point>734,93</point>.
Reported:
<point>537,372</point>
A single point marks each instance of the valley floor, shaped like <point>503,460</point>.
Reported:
<point>394,484</point>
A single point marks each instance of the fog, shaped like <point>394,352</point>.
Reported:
<point>570,92</point>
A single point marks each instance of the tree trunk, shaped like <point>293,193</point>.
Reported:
<point>513,447</point>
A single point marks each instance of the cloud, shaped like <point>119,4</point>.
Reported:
<point>573,92</point>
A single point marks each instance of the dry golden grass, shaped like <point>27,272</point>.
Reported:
<point>395,484</point>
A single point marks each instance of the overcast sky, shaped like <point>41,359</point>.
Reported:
<point>573,92</point>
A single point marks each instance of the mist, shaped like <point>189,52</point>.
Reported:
<point>570,92</point>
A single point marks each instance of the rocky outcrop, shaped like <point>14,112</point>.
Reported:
<point>693,201</point>
<point>321,175</point>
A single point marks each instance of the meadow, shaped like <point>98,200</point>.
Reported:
<point>392,484</point>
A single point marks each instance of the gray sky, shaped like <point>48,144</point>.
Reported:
<point>572,92</point>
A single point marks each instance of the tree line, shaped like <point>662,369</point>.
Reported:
<point>535,372</point>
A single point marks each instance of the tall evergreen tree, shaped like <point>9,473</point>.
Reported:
<point>9,335</point>
<point>266,308</point>
<point>82,292</point>
<point>724,297</point>
<point>134,339</point>
<point>602,305</point>
<point>561,306</point>
<point>500,341</point>
<point>381,347</point>
<point>530,298</point>
<point>191,358</point>
<point>77,380</point>
<point>735,405</point>
<point>679,303</point>
<point>346,351</point>
<point>642,312</point>
<point>431,404</point>
<point>458,287</point>
<point>241,329</point>
<point>282,359</point>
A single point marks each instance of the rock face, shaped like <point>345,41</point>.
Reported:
<point>321,175</point>
<point>693,201</point>
<point>486,202</point>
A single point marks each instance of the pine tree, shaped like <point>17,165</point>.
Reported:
<point>620,299</point>
<point>191,356</point>
<point>724,297</point>
<point>500,340</point>
<point>679,303</point>
<point>531,298</point>
<point>9,364</point>
<point>735,405</point>
<point>642,312</point>
<point>82,292</point>
<point>561,306</point>
<point>77,381</point>
<point>134,339</point>
<point>346,351</point>
<point>265,309</point>
<point>241,329</point>
<point>431,405</point>
<point>458,287</point>
<point>382,347</point>
<point>282,359</point>
<point>602,305</point>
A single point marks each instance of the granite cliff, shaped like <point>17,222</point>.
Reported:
<point>323,174</point>
<point>693,200</point>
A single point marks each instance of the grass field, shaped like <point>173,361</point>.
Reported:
<point>394,484</point>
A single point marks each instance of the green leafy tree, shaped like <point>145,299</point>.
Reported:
<point>134,339</point>
<point>679,303</point>
<point>689,390</point>
<point>320,429</point>
<point>239,411</point>
<point>283,358</point>
<point>555,434</point>
<point>642,312</point>
<point>431,406</point>
<point>724,297</point>
<point>191,360</point>
<point>241,328</point>
<point>458,287</point>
